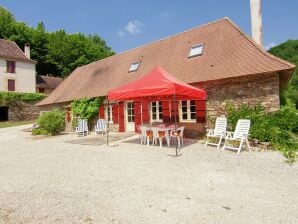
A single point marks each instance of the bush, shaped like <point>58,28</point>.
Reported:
<point>39,131</point>
<point>51,122</point>
<point>6,97</point>
<point>278,128</point>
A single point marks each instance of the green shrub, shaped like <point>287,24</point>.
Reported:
<point>39,131</point>
<point>6,97</point>
<point>52,122</point>
<point>276,128</point>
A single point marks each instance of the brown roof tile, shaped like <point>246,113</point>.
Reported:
<point>228,53</point>
<point>48,82</point>
<point>10,50</point>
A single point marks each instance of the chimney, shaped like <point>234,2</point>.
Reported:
<point>27,50</point>
<point>256,21</point>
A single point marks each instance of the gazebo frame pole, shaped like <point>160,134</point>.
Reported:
<point>108,130</point>
<point>175,114</point>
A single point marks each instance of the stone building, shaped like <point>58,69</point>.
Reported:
<point>46,84</point>
<point>217,57</point>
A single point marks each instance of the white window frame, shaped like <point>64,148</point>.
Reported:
<point>134,66</point>
<point>158,103</point>
<point>107,113</point>
<point>188,112</point>
<point>193,50</point>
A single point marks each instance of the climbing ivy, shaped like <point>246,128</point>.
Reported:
<point>86,108</point>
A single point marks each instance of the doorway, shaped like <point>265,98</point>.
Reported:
<point>130,116</point>
<point>3,113</point>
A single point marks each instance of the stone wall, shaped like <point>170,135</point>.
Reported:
<point>22,111</point>
<point>257,89</point>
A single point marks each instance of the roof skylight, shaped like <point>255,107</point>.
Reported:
<point>134,66</point>
<point>196,50</point>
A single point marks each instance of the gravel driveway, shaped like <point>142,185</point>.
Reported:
<point>48,180</point>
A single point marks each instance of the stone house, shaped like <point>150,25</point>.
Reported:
<point>217,57</point>
<point>46,84</point>
<point>17,70</point>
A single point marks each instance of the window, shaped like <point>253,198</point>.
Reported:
<point>134,66</point>
<point>109,113</point>
<point>41,90</point>
<point>188,110</point>
<point>11,85</point>
<point>10,66</point>
<point>130,112</point>
<point>156,111</point>
<point>196,50</point>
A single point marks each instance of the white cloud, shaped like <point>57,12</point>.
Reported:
<point>134,27</point>
<point>120,33</point>
<point>270,45</point>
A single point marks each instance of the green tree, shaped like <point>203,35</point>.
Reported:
<point>57,53</point>
<point>289,52</point>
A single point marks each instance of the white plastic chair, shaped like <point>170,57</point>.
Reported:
<point>178,135</point>
<point>143,134</point>
<point>101,126</point>
<point>218,132</point>
<point>161,134</point>
<point>240,135</point>
<point>82,128</point>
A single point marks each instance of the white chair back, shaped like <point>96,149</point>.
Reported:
<point>101,125</point>
<point>220,126</point>
<point>181,129</point>
<point>82,125</point>
<point>143,130</point>
<point>242,128</point>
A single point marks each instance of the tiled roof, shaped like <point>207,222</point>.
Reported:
<point>48,82</point>
<point>10,50</point>
<point>227,53</point>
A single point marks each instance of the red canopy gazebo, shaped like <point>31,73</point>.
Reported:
<point>157,85</point>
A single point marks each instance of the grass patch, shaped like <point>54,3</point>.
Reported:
<point>7,124</point>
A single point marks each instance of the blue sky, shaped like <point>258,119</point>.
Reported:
<point>131,23</point>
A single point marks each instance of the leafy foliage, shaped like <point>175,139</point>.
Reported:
<point>51,123</point>
<point>289,52</point>
<point>56,53</point>
<point>278,128</point>
<point>86,108</point>
<point>7,97</point>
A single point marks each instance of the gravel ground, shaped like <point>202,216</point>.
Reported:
<point>47,180</point>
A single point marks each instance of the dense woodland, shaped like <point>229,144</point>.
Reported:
<point>289,52</point>
<point>57,53</point>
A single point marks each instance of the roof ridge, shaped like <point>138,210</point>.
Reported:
<point>19,49</point>
<point>155,41</point>
<point>173,35</point>
<point>260,48</point>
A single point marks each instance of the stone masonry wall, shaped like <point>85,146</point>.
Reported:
<point>22,111</point>
<point>258,89</point>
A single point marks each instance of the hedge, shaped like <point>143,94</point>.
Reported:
<point>7,97</point>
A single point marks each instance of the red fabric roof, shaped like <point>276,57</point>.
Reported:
<point>158,84</point>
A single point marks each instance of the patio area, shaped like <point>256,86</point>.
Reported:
<point>49,180</point>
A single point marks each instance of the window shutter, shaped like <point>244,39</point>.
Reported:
<point>173,111</point>
<point>137,111</point>
<point>121,117</point>
<point>11,85</point>
<point>166,111</point>
<point>102,112</point>
<point>201,111</point>
<point>145,113</point>
<point>115,114</point>
<point>68,115</point>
